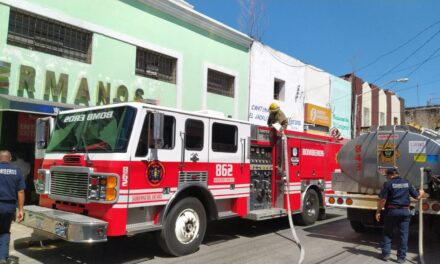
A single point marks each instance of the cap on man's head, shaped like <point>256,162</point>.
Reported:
<point>391,171</point>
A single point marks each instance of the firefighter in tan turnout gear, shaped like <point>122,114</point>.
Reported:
<point>276,116</point>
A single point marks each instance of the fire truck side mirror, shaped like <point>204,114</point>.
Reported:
<point>44,127</point>
<point>158,125</point>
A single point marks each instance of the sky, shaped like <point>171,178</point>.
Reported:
<point>379,40</point>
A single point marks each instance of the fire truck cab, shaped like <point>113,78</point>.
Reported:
<point>133,167</point>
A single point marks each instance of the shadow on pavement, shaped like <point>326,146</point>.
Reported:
<point>142,247</point>
<point>372,238</point>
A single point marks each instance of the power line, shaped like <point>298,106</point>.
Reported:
<point>399,47</point>
<point>424,62</point>
<point>409,67</point>
<point>409,56</point>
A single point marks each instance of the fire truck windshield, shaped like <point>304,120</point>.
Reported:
<point>100,131</point>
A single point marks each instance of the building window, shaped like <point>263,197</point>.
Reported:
<point>194,134</point>
<point>366,117</point>
<point>220,83</point>
<point>38,33</point>
<point>155,65</point>
<point>278,90</point>
<point>382,118</point>
<point>224,138</point>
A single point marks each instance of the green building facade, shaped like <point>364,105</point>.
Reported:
<point>76,53</point>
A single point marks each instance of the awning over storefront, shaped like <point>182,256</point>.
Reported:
<point>20,104</point>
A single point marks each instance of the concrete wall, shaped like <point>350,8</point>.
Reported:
<point>426,116</point>
<point>395,110</point>
<point>317,87</point>
<point>366,105</point>
<point>382,108</point>
<point>340,100</point>
<point>118,28</point>
<point>268,65</point>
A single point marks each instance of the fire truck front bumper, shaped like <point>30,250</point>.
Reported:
<point>65,225</point>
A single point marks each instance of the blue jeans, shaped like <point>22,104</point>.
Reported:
<point>399,218</point>
<point>5,235</point>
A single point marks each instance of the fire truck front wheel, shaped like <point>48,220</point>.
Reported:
<point>184,227</point>
<point>310,208</point>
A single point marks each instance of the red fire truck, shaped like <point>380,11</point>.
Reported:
<point>133,167</point>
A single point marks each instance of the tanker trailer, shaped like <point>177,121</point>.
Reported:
<point>364,160</point>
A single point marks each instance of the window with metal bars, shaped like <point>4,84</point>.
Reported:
<point>38,33</point>
<point>155,65</point>
<point>220,83</point>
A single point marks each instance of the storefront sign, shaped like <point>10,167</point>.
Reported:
<point>56,89</point>
<point>317,115</point>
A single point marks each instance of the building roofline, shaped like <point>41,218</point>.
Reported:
<point>186,13</point>
<point>422,107</point>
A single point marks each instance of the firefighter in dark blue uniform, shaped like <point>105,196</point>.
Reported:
<point>395,198</point>
<point>11,195</point>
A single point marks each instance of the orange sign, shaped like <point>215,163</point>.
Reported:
<point>317,115</point>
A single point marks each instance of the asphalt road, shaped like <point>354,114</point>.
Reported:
<point>240,241</point>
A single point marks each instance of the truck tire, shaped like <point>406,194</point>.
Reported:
<point>358,226</point>
<point>184,227</point>
<point>310,208</point>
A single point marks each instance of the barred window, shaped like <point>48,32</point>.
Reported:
<point>38,33</point>
<point>220,83</point>
<point>155,65</point>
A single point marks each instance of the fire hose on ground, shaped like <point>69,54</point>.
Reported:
<point>289,211</point>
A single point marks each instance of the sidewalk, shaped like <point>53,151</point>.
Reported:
<point>23,237</point>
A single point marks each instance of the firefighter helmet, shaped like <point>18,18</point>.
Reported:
<point>274,107</point>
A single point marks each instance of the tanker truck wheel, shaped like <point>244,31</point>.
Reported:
<point>310,208</point>
<point>184,227</point>
<point>358,226</point>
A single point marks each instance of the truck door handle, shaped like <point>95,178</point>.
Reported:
<point>182,153</point>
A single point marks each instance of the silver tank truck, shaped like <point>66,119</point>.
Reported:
<point>364,159</point>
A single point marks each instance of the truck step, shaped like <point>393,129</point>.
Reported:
<point>227,214</point>
<point>134,229</point>
<point>263,214</point>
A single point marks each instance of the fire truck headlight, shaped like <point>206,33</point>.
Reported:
<point>112,182</point>
<point>110,194</point>
<point>103,187</point>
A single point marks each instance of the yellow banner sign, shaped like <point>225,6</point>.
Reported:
<point>318,115</point>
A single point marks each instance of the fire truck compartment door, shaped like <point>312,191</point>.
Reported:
<point>294,164</point>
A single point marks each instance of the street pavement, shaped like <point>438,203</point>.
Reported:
<point>229,241</point>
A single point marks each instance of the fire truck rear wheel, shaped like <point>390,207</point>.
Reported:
<point>310,210</point>
<point>184,227</point>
